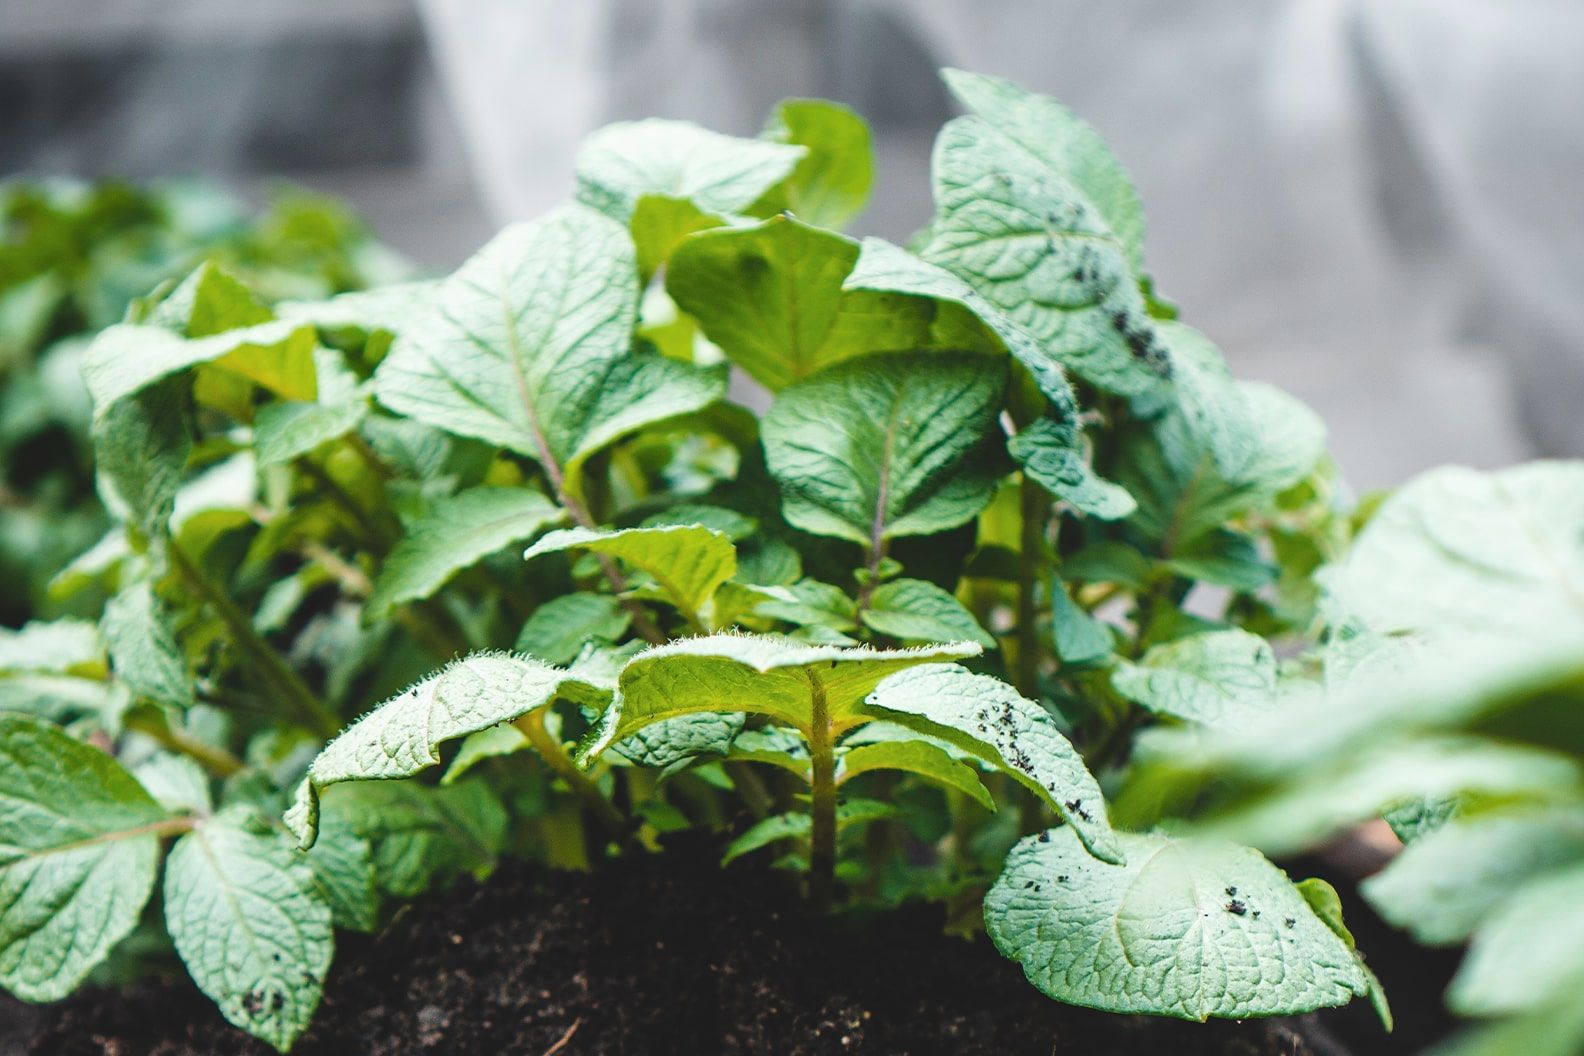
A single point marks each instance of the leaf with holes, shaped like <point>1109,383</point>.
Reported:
<point>248,921</point>
<point>1185,928</point>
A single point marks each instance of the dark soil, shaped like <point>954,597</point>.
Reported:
<point>664,955</point>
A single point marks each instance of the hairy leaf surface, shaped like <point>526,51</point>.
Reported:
<point>403,735</point>
<point>756,674</point>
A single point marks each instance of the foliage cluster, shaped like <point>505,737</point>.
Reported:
<point>72,258</point>
<point>1009,577</point>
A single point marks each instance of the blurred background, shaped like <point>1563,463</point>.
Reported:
<point>1376,204</point>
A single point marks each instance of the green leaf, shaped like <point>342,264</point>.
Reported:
<point>1080,638</point>
<point>342,863</point>
<point>774,746</point>
<point>887,445</point>
<point>1107,561</point>
<point>993,722</point>
<point>1444,884</point>
<point>1529,953</point>
<point>140,450</point>
<point>456,533</point>
<point>402,736</point>
<point>765,832</point>
<point>209,301</point>
<point>830,184</point>
<point>1051,452</point>
<point>421,835</point>
<point>527,346</point>
<point>485,744</point>
<point>798,825</point>
<point>768,295</point>
<point>810,603</point>
<point>79,847</point>
<point>1325,797</point>
<point>733,525</point>
<point>1224,557</point>
<point>1190,477</point>
<point>288,429</point>
<point>720,174</point>
<point>1061,143</point>
<point>687,562</point>
<point>1027,237</point>
<point>123,360</point>
<point>915,757</point>
<point>1211,678</point>
<point>885,268</point>
<point>246,918</point>
<point>64,698</point>
<point>1462,552</point>
<point>176,782</point>
<point>389,309</point>
<point>558,629</point>
<point>913,610</point>
<point>680,737</point>
<point>659,224</point>
<point>1557,1030</point>
<point>143,650</point>
<point>754,674</point>
<point>1190,929</point>
<point>65,645</point>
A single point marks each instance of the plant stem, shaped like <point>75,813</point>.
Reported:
<point>532,726</point>
<point>643,623</point>
<point>756,797</point>
<point>212,758</point>
<point>370,458</point>
<point>425,620</point>
<point>1035,507</point>
<point>877,553</point>
<point>822,799</point>
<point>269,665</point>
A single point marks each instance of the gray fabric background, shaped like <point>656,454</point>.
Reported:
<point>1375,203</point>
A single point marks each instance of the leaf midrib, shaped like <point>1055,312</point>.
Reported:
<point>162,827</point>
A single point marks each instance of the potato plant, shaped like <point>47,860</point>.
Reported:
<point>985,511</point>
